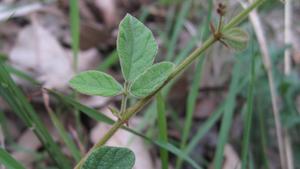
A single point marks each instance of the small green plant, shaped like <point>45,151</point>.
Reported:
<point>137,48</point>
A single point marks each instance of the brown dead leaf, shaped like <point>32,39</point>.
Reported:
<point>39,54</point>
<point>108,9</point>
<point>93,35</point>
<point>123,138</point>
<point>95,101</point>
<point>29,141</point>
<point>232,160</point>
<point>3,104</point>
<point>88,59</point>
<point>85,11</point>
<point>205,107</point>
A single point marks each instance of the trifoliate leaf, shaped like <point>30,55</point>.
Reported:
<point>136,47</point>
<point>96,83</point>
<point>236,38</point>
<point>110,158</point>
<point>151,79</point>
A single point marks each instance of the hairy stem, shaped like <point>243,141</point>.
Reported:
<point>124,99</point>
<point>131,111</point>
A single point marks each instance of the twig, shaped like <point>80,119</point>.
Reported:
<point>287,70</point>
<point>287,35</point>
<point>255,20</point>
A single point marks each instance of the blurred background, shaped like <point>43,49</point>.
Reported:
<point>222,98</point>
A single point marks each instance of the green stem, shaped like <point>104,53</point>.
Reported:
<point>243,15</point>
<point>124,99</point>
<point>131,111</point>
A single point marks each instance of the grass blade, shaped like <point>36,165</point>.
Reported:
<point>177,152</point>
<point>227,117</point>
<point>193,94</point>
<point>111,59</point>
<point>203,129</point>
<point>162,127</point>
<point>263,134</point>
<point>65,136</point>
<point>5,129</point>
<point>178,28</point>
<point>19,104</point>
<point>248,118</point>
<point>8,161</point>
<point>75,30</point>
<point>21,74</point>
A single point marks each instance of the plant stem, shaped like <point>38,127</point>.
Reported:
<point>124,99</point>
<point>220,24</point>
<point>131,111</point>
<point>243,15</point>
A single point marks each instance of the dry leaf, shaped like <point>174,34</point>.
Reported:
<point>95,101</point>
<point>29,141</point>
<point>108,8</point>
<point>39,54</point>
<point>93,35</point>
<point>88,59</point>
<point>232,160</point>
<point>205,107</point>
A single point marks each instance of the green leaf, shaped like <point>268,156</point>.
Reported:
<point>96,83</point>
<point>151,79</point>
<point>20,105</point>
<point>136,47</point>
<point>110,158</point>
<point>236,38</point>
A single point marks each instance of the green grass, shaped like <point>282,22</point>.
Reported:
<point>65,136</point>
<point>227,116</point>
<point>23,109</point>
<point>109,61</point>
<point>5,128</point>
<point>180,19</point>
<point>162,127</point>
<point>193,93</point>
<point>75,44</point>
<point>8,161</point>
<point>75,31</point>
<point>263,137</point>
<point>249,116</point>
<point>204,129</point>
